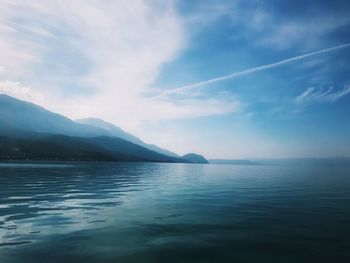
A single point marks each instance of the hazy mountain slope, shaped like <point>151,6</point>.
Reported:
<point>118,145</point>
<point>111,129</point>
<point>61,147</point>
<point>51,148</point>
<point>114,130</point>
<point>36,130</point>
<point>21,115</point>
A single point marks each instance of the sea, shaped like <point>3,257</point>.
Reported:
<point>167,212</point>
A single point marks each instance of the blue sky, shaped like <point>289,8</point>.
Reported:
<point>228,79</point>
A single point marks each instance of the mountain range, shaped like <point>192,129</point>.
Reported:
<point>30,132</point>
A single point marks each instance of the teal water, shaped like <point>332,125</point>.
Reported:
<point>150,212</point>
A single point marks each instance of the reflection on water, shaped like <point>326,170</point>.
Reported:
<point>148,212</point>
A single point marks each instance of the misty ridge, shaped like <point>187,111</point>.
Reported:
<point>30,132</point>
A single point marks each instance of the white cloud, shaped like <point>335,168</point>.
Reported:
<point>16,89</point>
<point>261,24</point>
<point>97,58</point>
<point>306,32</point>
<point>312,94</point>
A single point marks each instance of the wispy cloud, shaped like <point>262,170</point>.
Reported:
<point>254,70</point>
<point>16,89</point>
<point>92,58</point>
<point>307,31</point>
<point>312,94</point>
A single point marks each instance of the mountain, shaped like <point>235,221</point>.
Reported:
<point>53,147</point>
<point>194,158</point>
<point>28,131</point>
<point>21,115</point>
<point>67,148</point>
<point>115,131</point>
<point>233,161</point>
<point>32,132</point>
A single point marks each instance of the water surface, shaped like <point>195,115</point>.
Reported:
<point>150,212</point>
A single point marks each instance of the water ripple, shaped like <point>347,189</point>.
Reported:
<point>146,207</point>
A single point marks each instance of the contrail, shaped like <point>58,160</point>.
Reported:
<point>253,70</point>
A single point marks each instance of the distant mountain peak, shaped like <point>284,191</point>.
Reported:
<point>194,158</point>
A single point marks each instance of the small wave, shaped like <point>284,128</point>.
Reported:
<point>15,243</point>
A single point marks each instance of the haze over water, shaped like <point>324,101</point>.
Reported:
<point>152,212</point>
